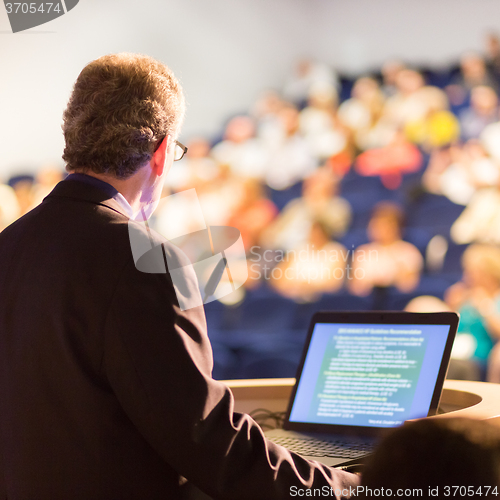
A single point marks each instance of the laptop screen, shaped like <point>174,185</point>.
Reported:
<point>369,375</point>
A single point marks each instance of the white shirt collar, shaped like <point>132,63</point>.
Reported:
<point>124,204</point>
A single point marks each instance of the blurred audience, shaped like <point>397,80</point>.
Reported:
<point>320,201</point>
<point>291,157</point>
<point>241,151</point>
<point>305,75</point>
<point>480,221</point>
<point>196,169</point>
<point>482,112</point>
<point>314,267</point>
<point>458,171</point>
<point>387,260</point>
<point>362,111</point>
<point>390,71</point>
<point>253,213</point>
<point>390,162</point>
<point>319,125</point>
<point>437,127</point>
<point>493,54</point>
<point>477,298</point>
<point>473,72</point>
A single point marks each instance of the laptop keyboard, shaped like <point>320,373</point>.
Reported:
<point>323,448</point>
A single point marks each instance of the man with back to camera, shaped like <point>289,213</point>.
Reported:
<point>105,384</point>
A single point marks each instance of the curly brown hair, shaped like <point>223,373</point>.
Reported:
<point>121,107</point>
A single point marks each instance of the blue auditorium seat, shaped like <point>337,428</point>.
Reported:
<point>214,312</point>
<point>343,301</point>
<point>362,193</point>
<point>354,238</point>
<point>437,213</point>
<point>355,183</point>
<point>302,316</point>
<point>429,285</point>
<point>276,363</point>
<point>226,361</point>
<point>281,198</point>
<point>346,85</point>
<point>262,314</point>
<point>453,258</point>
<point>418,236</point>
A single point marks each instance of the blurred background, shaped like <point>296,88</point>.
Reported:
<point>355,145</point>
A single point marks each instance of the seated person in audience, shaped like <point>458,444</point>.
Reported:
<point>197,167</point>
<point>480,221</point>
<point>390,71</point>
<point>404,106</point>
<point>244,153</point>
<point>458,171</point>
<point>319,202</point>
<point>390,162</point>
<point>45,181</point>
<point>418,109</point>
<point>437,127</point>
<point>218,198</point>
<point>30,191</point>
<point>473,72</point>
<point>490,139</point>
<point>436,455</point>
<point>427,304</point>
<point>9,206</point>
<point>311,269</point>
<point>319,125</point>
<point>265,111</point>
<point>477,299</point>
<point>362,110</point>
<point>387,260</point>
<point>253,213</point>
<point>23,187</point>
<point>459,368</point>
<point>493,55</point>
<point>483,111</point>
<point>291,158</point>
<point>307,73</point>
<point>421,111</point>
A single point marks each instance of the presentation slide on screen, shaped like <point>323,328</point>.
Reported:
<point>369,375</point>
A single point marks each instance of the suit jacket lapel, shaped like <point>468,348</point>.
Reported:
<point>99,194</point>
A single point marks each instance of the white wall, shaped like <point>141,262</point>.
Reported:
<point>223,51</point>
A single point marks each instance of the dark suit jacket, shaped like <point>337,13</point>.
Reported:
<point>105,384</point>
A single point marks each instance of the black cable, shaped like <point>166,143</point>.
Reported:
<point>268,419</point>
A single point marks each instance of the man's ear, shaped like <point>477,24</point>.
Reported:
<point>158,160</point>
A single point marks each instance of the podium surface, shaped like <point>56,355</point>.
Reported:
<point>460,398</point>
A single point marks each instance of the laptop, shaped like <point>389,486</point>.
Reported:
<point>361,374</point>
